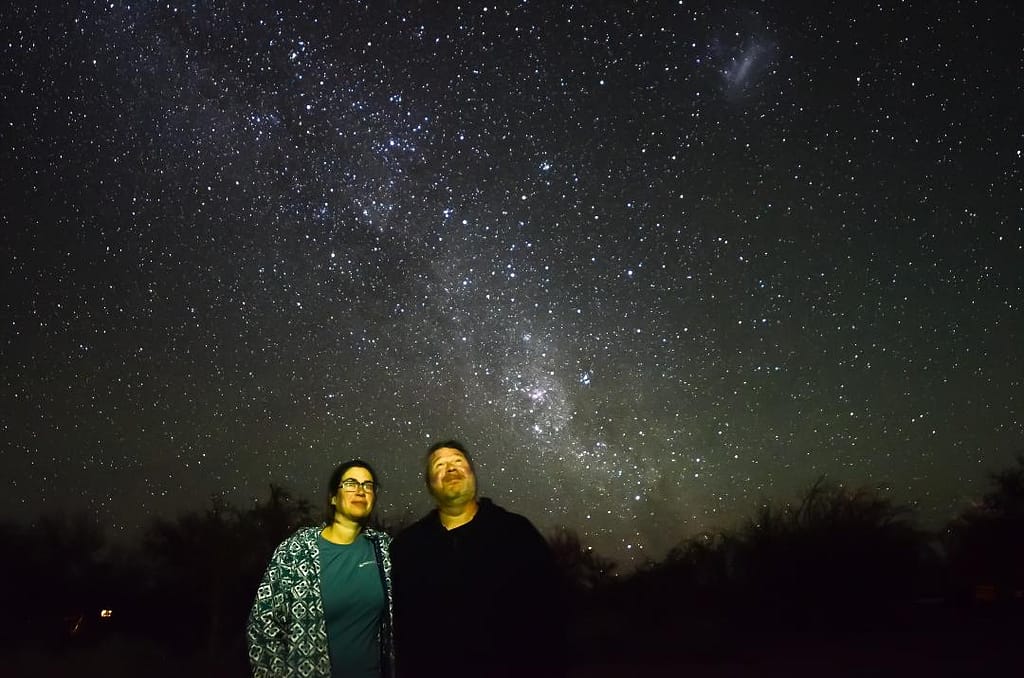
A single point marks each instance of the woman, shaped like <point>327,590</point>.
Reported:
<point>324,606</point>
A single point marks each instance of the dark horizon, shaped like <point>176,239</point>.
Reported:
<point>392,522</point>
<point>843,579</point>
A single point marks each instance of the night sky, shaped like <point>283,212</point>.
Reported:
<point>652,262</point>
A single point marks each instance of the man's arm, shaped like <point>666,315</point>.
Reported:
<point>544,590</point>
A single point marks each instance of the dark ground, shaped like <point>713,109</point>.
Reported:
<point>931,640</point>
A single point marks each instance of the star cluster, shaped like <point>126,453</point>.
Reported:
<point>653,262</point>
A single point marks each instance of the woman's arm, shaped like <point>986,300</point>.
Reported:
<point>267,631</point>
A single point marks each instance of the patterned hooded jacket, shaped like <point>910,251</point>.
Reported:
<point>286,634</point>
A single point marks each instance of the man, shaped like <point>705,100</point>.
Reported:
<point>476,590</point>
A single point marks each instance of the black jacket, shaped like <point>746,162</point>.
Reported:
<point>480,600</point>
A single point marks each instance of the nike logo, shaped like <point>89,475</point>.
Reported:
<point>368,562</point>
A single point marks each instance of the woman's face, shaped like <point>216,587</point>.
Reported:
<point>353,499</point>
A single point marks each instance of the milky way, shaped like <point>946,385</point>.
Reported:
<point>653,263</point>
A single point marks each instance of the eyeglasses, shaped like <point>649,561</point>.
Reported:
<point>353,485</point>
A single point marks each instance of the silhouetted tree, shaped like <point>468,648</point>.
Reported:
<point>835,556</point>
<point>986,542</point>
<point>206,566</point>
<point>583,569</point>
<point>702,568</point>
<point>838,553</point>
<point>195,559</point>
<point>264,526</point>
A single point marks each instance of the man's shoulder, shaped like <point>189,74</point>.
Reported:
<point>492,511</point>
<point>420,529</point>
<point>499,515</point>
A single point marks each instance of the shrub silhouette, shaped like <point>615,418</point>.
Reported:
<point>583,569</point>
<point>835,557</point>
<point>986,541</point>
<point>844,552</point>
<point>205,567</point>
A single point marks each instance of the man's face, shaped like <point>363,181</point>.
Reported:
<point>354,502</point>
<point>451,477</point>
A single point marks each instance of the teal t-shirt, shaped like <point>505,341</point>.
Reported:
<point>353,598</point>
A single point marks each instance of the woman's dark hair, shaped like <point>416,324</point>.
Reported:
<point>335,481</point>
<point>452,444</point>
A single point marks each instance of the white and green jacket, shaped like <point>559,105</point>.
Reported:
<point>287,635</point>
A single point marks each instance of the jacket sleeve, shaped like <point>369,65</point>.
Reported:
<point>386,632</point>
<point>541,580</point>
<point>267,631</point>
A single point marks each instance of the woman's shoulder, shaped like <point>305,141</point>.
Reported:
<point>379,536</point>
<point>300,540</point>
